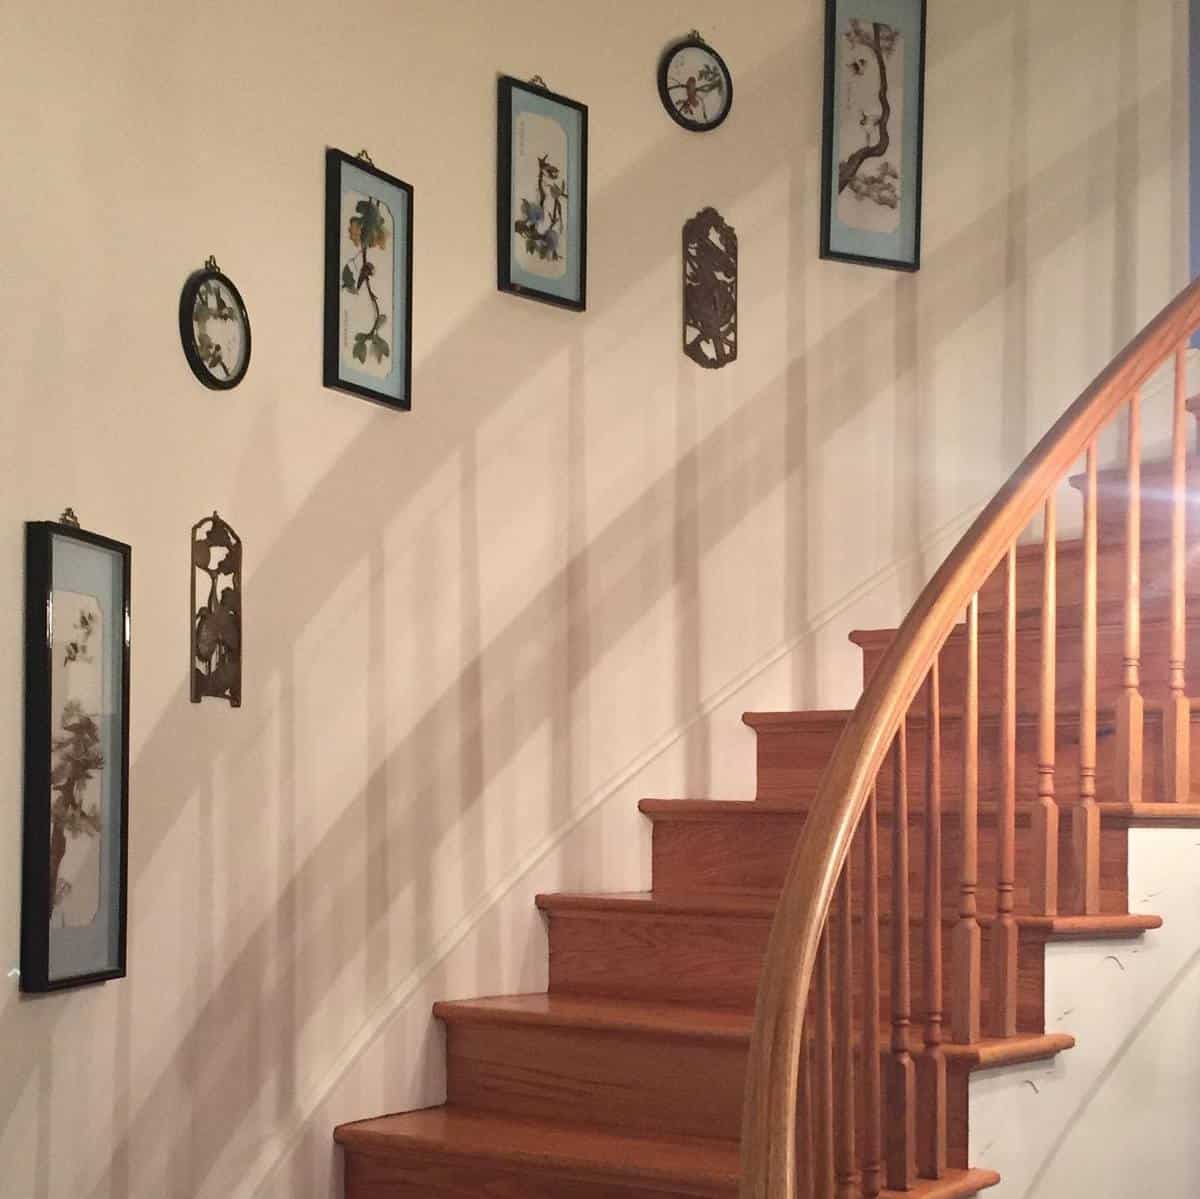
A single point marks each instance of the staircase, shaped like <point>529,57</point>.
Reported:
<point>948,843</point>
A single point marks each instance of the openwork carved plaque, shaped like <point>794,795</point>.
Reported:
<point>216,611</point>
<point>710,254</point>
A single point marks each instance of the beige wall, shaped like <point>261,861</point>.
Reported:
<point>476,633</point>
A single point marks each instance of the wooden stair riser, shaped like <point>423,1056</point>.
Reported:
<point>716,961</point>
<point>416,1175</point>
<point>737,854</point>
<point>656,1084</point>
<point>1110,656</point>
<point>1111,574</point>
<point>1155,492</point>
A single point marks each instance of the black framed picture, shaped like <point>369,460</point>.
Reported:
<point>874,128</point>
<point>694,85</point>
<point>541,187</point>
<point>74,869</point>
<point>214,328</point>
<point>368,280</point>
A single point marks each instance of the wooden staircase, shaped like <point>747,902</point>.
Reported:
<point>627,1079</point>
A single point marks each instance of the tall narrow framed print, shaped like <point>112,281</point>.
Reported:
<point>541,202</point>
<point>368,280</point>
<point>874,124</point>
<point>74,873</point>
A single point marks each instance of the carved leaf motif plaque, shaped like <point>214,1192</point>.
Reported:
<point>216,611</point>
<point>710,257</point>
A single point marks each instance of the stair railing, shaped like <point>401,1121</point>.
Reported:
<point>807,1086</point>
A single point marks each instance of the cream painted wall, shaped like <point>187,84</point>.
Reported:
<point>476,633</point>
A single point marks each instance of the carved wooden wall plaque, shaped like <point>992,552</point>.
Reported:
<point>216,611</point>
<point>710,260</point>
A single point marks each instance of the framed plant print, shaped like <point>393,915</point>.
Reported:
<point>74,871</point>
<point>874,124</point>
<point>368,280</point>
<point>541,206</point>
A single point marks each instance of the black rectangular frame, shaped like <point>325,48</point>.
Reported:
<point>504,216</point>
<point>334,161</point>
<point>35,863</point>
<point>827,150</point>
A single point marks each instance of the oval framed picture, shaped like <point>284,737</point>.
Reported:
<point>695,85</point>
<point>214,328</point>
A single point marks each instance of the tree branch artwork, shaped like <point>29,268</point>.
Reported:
<point>75,756</point>
<point>368,231</point>
<point>710,263</point>
<point>217,622</point>
<point>542,224</point>
<point>694,88</point>
<point>882,187</point>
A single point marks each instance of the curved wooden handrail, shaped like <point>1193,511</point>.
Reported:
<point>768,1132</point>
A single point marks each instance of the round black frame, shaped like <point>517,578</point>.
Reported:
<point>187,301</point>
<point>665,96</point>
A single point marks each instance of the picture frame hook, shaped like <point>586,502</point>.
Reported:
<point>696,36</point>
<point>68,517</point>
<point>363,156</point>
<point>540,82</point>
<point>210,263</point>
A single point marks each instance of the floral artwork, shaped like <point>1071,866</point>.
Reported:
<point>543,221</point>
<point>870,120</point>
<point>76,761</point>
<point>366,282</point>
<point>541,202</point>
<point>216,611</point>
<point>540,232</point>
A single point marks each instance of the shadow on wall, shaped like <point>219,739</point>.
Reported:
<point>240,1045</point>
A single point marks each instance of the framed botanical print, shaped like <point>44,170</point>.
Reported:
<point>874,123</point>
<point>368,280</point>
<point>542,195</point>
<point>74,873</point>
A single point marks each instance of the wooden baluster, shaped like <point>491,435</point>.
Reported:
<point>1044,882</point>
<point>1004,935</point>
<point>965,994</point>
<point>931,1065</point>
<point>1130,713</point>
<point>823,1175</point>
<point>849,1180</point>
<point>1085,816</point>
<point>901,1079</point>
<point>872,1076</point>
<point>1178,714</point>
<point>805,1116</point>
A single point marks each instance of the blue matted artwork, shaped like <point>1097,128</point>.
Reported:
<point>368,280</point>
<point>542,195</point>
<point>874,117</point>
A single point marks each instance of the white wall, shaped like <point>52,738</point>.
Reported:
<point>476,633</point>
<point>1117,1114</point>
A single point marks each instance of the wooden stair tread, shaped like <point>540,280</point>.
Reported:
<point>707,1166</point>
<point>602,1014</point>
<point>654,903</point>
<point>800,719</point>
<point>1152,815</point>
<point>714,809</point>
<point>728,1025</point>
<point>573,1151</point>
<point>762,904</point>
